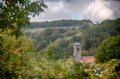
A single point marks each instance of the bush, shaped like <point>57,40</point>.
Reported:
<point>109,49</point>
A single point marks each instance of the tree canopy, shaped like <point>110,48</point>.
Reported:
<point>14,14</point>
<point>109,49</point>
<point>61,23</point>
<point>14,53</point>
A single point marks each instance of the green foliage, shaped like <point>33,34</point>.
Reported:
<point>106,70</point>
<point>79,71</point>
<point>59,38</point>
<point>14,14</point>
<point>55,45</point>
<point>75,38</point>
<point>61,23</point>
<point>41,68</point>
<point>94,35</point>
<point>59,49</point>
<point>88,34</point>
<point>109,49</point>
<point>12,55</point>
<point>52,69</point>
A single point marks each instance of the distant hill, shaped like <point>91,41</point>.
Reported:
<point>60,41</point>
<point>60,23</point>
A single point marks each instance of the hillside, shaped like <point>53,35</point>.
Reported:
<point>59,49</point>
<point>59,23</point>
<point>61,40</point>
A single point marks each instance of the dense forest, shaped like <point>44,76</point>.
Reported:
<point>45,50</point>
<point>61,39</point>
<point>59,23</point>
<point>56,44</point>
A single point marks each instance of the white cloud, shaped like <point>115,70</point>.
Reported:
<point>115,6</point>
<point>98,11</point>
<point>0,0</point>
<point>62,9</point>
<point>55,11</point>
<point>95,10</point>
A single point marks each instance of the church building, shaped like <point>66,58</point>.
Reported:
<point>79,58</point>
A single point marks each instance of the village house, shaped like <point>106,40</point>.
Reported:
<point>79,58</point>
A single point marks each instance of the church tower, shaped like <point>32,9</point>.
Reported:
<point>77,52</point>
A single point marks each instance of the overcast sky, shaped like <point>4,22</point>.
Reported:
<point>95,10</point>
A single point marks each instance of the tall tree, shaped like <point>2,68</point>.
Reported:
<point>14,14</point>
<point>109,49</point>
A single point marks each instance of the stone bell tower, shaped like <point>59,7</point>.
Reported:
<point>77,52</point>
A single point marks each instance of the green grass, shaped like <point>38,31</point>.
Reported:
<point>33,30</point>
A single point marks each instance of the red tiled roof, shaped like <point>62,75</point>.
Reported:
<point>88,60</point>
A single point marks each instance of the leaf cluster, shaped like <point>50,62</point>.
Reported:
<point>14,14</point>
